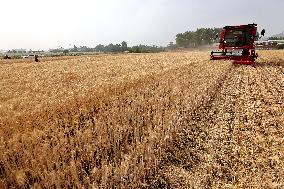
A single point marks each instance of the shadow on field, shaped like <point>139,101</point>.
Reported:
<point>270,64</point>
<point>261,64</point>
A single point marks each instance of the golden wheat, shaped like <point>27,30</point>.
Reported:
<point>111,120</point>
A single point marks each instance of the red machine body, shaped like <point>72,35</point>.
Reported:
<point>237,44</point>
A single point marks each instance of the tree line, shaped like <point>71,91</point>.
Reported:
<point>113,48</point>
<point>200,37</point>
<point>124,48</point>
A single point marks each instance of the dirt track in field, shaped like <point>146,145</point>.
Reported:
<point>236,140</point>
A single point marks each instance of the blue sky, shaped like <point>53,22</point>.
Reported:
<point>43,24</point>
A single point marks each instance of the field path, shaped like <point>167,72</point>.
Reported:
<point>236,140</point>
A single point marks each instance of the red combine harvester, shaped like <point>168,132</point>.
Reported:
<point>237,44</point>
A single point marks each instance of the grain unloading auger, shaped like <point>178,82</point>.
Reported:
<point>237,44</point>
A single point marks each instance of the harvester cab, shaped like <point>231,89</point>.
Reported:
<point>237,44</point>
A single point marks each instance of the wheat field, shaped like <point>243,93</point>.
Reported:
<point>167,120</point>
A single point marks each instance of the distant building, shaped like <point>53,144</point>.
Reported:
<point>3,51</point>
<point>279,42</point>
<point>269,44</point>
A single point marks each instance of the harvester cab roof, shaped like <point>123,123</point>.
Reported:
<point>240,38</point>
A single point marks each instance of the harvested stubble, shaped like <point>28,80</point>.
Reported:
<point>99,121</point>
<point>236,139</point>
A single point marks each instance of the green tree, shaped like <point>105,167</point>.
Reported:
<point>65,52</point>
<point>109,48</point>
<point>202,36</point>
<point>124,46</point>
<point>75,49</point>
<point>117,48</point>
<point>100,48</point>
<point>171,46</point>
